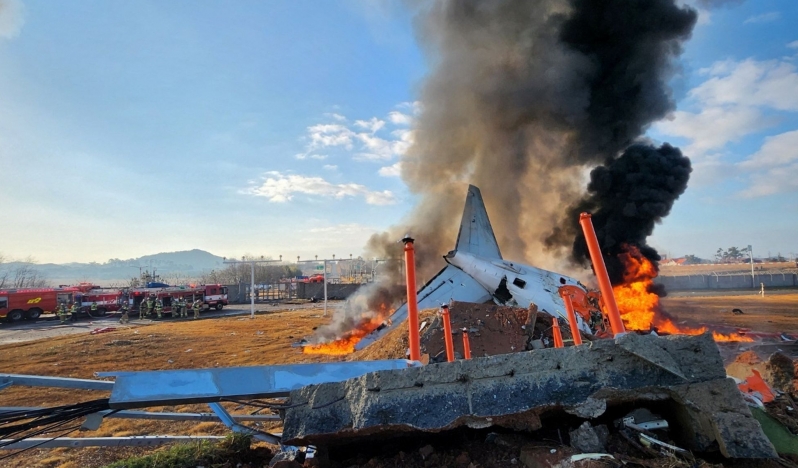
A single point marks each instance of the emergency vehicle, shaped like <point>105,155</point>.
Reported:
<point>211,295</point>
<point>107,299</point>
<point>30,303</point>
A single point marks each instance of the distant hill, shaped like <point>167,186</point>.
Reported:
<point>187,263</point>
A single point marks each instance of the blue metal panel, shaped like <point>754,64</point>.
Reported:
<point>170,387</point>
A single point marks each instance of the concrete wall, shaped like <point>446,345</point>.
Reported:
<point>742,281</point>
<point>334,291</point>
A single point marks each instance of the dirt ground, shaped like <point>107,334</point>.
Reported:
<point>774,313</point>
<point>239,341</point>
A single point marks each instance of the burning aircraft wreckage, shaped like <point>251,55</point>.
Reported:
<point>614,372</point>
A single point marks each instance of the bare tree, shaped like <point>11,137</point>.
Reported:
<point>23,275</point>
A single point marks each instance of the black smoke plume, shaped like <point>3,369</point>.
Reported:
<point>523,98</point>
<point>627,197</point>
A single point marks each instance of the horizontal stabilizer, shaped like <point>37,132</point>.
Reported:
<point>450,284</point>
<point>476,234</point>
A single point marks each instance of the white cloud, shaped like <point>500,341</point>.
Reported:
<point>774,168</point>
<point>301,156</point>
<point>372,125</point>
<point>793,45</point>
<point>326,135</point>
<point>737,99</point>
<point>337,117</point>
<point>777,150</point>
<point>712,127</point>
<point>776,180</point>
<point>394,170</point>
<point>367,137</point>
<point>280,188</point>
<point>398,118</point>
<point>415,107</point>
<point>330,167</point>
<point>763,18</point>
<point>732,103</point>
<point>12,18</point>
<point>750,83</point>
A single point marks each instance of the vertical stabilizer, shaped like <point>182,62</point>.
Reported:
<point>476,234</point>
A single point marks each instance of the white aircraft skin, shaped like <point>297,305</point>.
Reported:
<point>476,272</point>
<point>535,285</point>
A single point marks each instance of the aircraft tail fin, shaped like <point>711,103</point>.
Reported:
<point>476,234</point>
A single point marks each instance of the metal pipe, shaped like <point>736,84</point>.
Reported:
<point>325,287</point>
<point>133,441</point>
<point>569,308</point>
<point>252,290</point>
<point>56,382</point>
<point>466,344</point>
<point>447,333</point>
<point>412,300</point>
<point>228,421</point>
<point>165,416</point>
<point>600,269</point>
<point>555,331</point>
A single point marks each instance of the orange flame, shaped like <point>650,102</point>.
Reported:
<point>639,305</point>
<point>346,344</point>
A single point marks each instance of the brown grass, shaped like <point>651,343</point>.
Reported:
<point>775,313</point>
<point>726,268</point>
<point>220,342</point>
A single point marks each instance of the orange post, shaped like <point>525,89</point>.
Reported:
<point>585,219</point>
<point>466,344</point>
<point>569,308</point>
<point>555,330</point>
<point>412,300</point>
<point>447,333</point>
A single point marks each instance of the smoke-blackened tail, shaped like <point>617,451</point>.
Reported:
<point>476,234</point>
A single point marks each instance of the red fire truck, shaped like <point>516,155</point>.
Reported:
<point>107,299</point>
<point>211,295</point>
<point>16,304</point>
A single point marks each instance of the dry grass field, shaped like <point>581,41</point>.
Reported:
<point>219,342</point>
<point>727,268</point>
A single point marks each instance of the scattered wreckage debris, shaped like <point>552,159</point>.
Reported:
<point>492,329</point>
<point>683,375</point>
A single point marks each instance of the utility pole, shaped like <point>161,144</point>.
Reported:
<point>252,277</point>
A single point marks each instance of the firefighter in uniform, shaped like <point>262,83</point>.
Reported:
<point>150,306</point>
<point>62,312</point>
<point>74,311</point>
<point>125,317</point>
<point>159,308</point>
<point>142,309</point>
<point>197,306</point>
<point>93,309</point>
<point>183,307</point>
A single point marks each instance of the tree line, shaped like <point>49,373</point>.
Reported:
<point>20,275</point>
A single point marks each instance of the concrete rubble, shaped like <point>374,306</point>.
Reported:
<point>683,376</point>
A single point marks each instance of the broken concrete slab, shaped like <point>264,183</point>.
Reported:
<point>589,439</point>
<point>514,390</point>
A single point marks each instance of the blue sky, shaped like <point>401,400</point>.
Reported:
<point>129,128</point>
